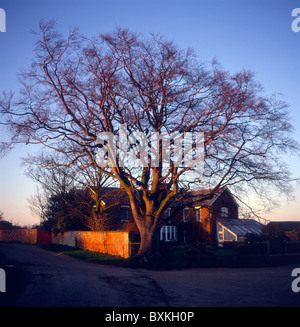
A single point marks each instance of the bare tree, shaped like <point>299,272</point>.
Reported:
<point>77,88</point>
<point>38,202</point>
<point>50,174</point>
<point>56,177</point>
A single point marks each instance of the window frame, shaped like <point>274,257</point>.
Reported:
<point>198,214</point>
<point>184,216</point>
<point>168,233</point>
<point>224,212</point>
<point>126,213</point>
<point>168,213</point>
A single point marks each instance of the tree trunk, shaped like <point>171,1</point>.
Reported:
<point>146,246</point>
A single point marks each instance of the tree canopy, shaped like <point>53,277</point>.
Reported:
<point>77,88</point>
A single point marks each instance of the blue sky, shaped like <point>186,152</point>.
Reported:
<point>253,34</point>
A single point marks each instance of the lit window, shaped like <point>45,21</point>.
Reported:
<point>220,233</point>
<point>168,233</point>
<point>224,212</point>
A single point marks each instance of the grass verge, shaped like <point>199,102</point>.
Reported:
<point>161,263</point>
<point>86,255</point>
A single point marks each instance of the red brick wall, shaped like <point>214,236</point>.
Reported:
<point>225,200</point>
<point>32,236</point>
<point>206,224</point>
<point>19,235</point>
<point>43,237</point>
<point>115,243</point>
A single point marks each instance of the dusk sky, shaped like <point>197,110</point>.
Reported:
<point>255,35</point>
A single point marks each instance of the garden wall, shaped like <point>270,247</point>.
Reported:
<point>32,236</point>
<point>115,243</point>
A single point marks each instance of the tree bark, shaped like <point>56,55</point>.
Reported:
<point>147,228</point>
<point>145,249</point>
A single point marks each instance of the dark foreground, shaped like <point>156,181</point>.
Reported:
<point>39,278</point>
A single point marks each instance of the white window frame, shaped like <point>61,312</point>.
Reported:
<point>220,232</point>
<point>168,213</point>
<point>223,232</point>
<point>185,212</point>
<point>198,214</point>
<point>126,215</point>
<point>168,233</point>
<point>224,212</point>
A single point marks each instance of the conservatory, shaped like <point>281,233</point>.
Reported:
<point>229,230</point>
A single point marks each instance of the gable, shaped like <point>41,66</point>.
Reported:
<point>205,197</point>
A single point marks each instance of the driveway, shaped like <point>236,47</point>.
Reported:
<point>38,278</point>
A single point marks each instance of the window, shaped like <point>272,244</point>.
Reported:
<point>220,230</point>
<point>185,214</point>
<point>168,233</point>
<point>225,234</point>
<point>224,212</point>
<point>198,215</point>
<point>168,213</point>
<point>124,213</point>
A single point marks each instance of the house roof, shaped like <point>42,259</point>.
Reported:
<point>206,198</point>
<point>114,195</point>
<point>241,227</point>
<point>203,197</point>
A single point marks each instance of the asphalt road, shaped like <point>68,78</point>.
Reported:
<point>38,278</point>
<point>45,279</point>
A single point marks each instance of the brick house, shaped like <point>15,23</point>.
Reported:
<point>198,216</point>
<point>195,218</point>
<point>117,204</point>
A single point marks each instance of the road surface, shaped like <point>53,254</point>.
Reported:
<point>47,279</point>
<point>39,278</point>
